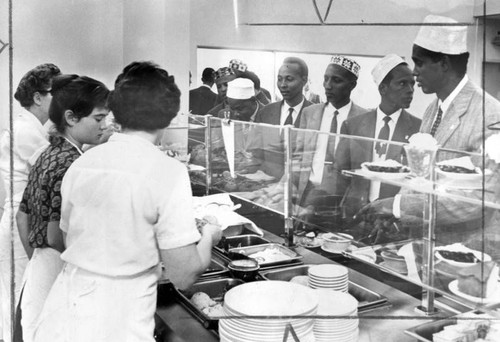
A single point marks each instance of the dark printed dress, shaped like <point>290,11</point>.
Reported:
<point>42,196</point>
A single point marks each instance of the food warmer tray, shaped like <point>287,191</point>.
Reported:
<point>216,268</point>
<point>367,299</point>
<point>293,257</point>
<point>424,332</point>
<point>215,289</point>
<point>238,241</point>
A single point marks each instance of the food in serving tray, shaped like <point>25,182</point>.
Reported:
<point>269,255</point>
<point>388,165</point>
<point>470,327</point>
<point>207,305</point>
<point>479,280</point>
<point>457,165</point>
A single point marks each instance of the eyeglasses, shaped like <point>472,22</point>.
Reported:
<point>43,91</point>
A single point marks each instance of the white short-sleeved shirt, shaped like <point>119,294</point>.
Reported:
<point>30,139</point>
<point>122,201</point>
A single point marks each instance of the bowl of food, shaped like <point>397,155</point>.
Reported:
<point>244,269</point>
<point>460,256</point>
<point>388,169</point>
<point>336,243</point>
<point>394,261</point>
<point>460,172</point>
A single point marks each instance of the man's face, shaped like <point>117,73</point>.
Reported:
<point>399,92</point>
<point>290,82</point>
<point>338,84</point>
<point>222,89</point>
<point>241,109</point>
<point>427,72</point>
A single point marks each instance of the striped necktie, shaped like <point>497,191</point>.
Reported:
<point>436,123</point>
<point>289,118</point>
<point>384,133</point>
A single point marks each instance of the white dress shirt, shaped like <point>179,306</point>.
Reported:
<point>379,123</point>
<point>322,143</point>
<point>284,111</point>
<point>122,201</point>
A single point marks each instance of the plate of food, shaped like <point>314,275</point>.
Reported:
<point>309,240</point>
<point>460,256</point>
<point>387,169</point>
<point>460,172</point>
<point>478,283</point>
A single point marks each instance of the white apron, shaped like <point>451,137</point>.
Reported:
<point>84,306</point>
<point>41,273</point>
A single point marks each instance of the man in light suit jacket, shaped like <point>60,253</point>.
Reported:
<point>317,180</point>
<point>395,83</point>
<point>202,99</point>
<point>268,141</point>
<point>455,119</point>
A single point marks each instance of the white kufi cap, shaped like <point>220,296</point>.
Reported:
<point>449,39</point>
<point>384,66</point>
<point>240,89</point>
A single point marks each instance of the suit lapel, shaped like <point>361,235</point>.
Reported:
<point>451,119</point>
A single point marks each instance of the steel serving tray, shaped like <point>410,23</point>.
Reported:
<point>367,299</point>
<point>238,241</point>
<point>293,257</point>
<point>215,289</point>
<point>216,268</point>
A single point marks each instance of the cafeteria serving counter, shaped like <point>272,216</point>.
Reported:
<point>387,323</point>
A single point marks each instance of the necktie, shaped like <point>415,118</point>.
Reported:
<point>289,118</point>
<point>330,150</point>
<point>437,121</point>
<point>381,147</point>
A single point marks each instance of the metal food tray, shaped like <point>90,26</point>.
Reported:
<point>216,268</point>
<point>215,289</point>
<point>367,300</point>
<point>293,256</point>
<point>424,332</point>
<point>238,241</point>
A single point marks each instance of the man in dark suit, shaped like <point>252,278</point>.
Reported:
<point>455,119</point>
<point>318,182</point>
<point>202,99</point>
<point>268,141</point>
<point>389,121</point>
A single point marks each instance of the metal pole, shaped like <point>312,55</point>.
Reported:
<point>288,191</point>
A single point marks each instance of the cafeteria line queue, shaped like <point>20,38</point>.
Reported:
<point>118,223</point>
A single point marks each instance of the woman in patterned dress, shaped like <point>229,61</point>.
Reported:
<point>78,111</point>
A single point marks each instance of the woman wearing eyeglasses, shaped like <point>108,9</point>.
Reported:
<point>29,138</point>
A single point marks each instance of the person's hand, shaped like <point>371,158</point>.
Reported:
<point>212,229</point>
<point>377,208</point>
<point>378,215</point>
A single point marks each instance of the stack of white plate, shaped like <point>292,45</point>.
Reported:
<point>333,277</point>
<point>338,317</point>
<point>263,310</point>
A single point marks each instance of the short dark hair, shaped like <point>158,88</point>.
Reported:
<point>388,78</point>
<point>80,94</point>
<point>458,62</point>
<point>38,79</point>
<point>145,97</point>
<point>303,69</point>
<point>208,75</point>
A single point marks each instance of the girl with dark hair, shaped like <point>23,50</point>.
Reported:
<point>78,111</point>
<point>29,138</point>
<point>126,206</point>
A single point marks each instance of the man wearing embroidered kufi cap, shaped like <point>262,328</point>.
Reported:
<point>319,183</point>
<point>454,118</point>
<point>390,121</point>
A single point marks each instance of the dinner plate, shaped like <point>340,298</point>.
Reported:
<point>395,269</point>
<point>384,175</point>
<point>316,242</point>
<point>493,298</point>
<point>329,250</point>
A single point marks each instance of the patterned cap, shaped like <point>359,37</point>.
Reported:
<point>224,74</point>
<point>236,64</point>
<point>349,64</point>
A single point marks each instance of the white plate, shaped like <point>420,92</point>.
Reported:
<point>493,298</point>
<point>329,250</point>
<point>384,175</point>
<point>463,176</point>
<point>477,254</point>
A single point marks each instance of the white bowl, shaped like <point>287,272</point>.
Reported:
<point>337,243</point>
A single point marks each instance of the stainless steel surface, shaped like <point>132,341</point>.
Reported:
<point>367,300</point>
<point>217,267</point>
<point>215,289</point>
<point>292,255</point>
<point>243,241</point>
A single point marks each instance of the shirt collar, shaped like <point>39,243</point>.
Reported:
<point>394,116</point>
<point>447,102</point>
<point>296,108</point>
<point>343,111</point>
<point>129,138</point>
<point>206,85</point>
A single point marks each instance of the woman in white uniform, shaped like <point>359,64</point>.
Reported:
<point>30,137</point>
<point>125,206</point>
<point>78,111</point>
